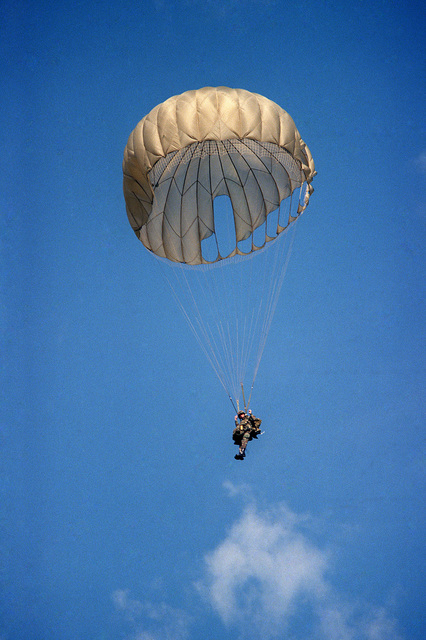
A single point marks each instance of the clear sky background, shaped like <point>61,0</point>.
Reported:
<point>123,513</point>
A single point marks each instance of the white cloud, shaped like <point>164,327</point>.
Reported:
<point>260,570</point>
<point>266,578</point>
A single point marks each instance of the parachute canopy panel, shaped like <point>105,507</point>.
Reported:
<point>203,144</point>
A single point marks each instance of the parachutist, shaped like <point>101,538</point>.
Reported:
<point>247,427</point>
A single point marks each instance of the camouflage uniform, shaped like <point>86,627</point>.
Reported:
<point>246,430</point>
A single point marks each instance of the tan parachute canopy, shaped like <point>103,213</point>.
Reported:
<point>203,144</point>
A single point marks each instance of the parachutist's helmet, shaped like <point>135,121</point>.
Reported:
<point>241,413</point>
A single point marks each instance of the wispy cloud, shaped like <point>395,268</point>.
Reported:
<point>421,162</point>
<point>132,609</point>
<point>151,621</point>
<point>267,577</point>
<point>241,489</point>
<point>356,622</point>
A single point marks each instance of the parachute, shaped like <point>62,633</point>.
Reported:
<point>205,178</point>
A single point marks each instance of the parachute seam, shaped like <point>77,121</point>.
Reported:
<point>242,188</point>
<point>181,204</point>
<point>198,215</point>
<point>275,182</point>
<point>255,178</point>
<point>172,180</point>
<point>212,199</point>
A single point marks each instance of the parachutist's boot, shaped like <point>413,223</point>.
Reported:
<point>239,456</point>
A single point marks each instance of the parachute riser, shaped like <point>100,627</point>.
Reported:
<point>236,408</point>
<point>244,399</point>
<point>251,391</point>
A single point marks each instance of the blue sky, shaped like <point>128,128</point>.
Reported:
<point>124,514</point>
